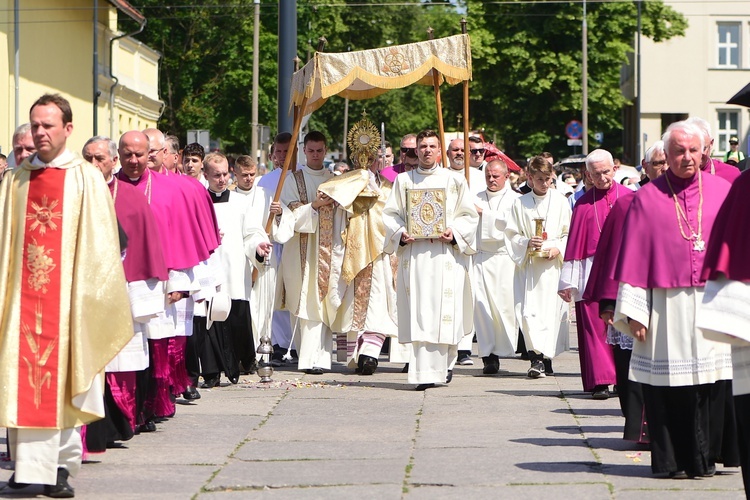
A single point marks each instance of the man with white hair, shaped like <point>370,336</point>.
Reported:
<point>23,143</point>
<point>654,163</point>
<point>589,214</point>
<point>686,378</point>
<point>709,164</point>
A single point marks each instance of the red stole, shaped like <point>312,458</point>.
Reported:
<point>40,300</point>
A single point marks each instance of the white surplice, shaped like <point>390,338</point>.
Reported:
<point>433,285</point>
<point>494,274</point>
<point>675,352</point>
<point>540,311</point>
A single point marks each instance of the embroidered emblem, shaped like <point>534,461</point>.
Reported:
<point>37,376</point>
<point>395,62</point>
<point>40,264</point>
<point>45,215</point>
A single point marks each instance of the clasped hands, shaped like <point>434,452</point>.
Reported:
<point>445,237</point>
<point>536,242</point>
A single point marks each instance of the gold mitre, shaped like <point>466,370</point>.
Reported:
<point>364,142</point>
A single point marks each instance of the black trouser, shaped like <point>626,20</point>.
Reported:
<point>241,327</point>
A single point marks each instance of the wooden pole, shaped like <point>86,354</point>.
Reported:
<point>439,105</point>
<point>466,116</point>
<point>293,145</point>
<point>299,113</point>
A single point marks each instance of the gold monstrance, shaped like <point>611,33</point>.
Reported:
<point>539,231</point>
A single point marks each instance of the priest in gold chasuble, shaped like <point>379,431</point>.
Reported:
<point>59,254</point>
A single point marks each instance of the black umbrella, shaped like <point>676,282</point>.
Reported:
<point>741,98</point>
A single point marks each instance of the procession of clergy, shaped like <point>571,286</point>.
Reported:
<point>412,252</point>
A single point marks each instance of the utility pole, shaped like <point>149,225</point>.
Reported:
<point>638,134</point>
<point>256,49</point>
<point>585,84</point>
<point>287,53</point>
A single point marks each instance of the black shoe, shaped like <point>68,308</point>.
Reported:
<point>61,489</point>
<point>191,393</point>
<point>600,392</point>
<point>234,380</point>
<point>14,485</point>
<point>491,364</point>
<point>211,382</point>
<point>367,364</point>
<point>314,371</point>
<point>548,366</point>
<point>464,358</point>
<point>536,370</point>
<point>405,369</point>
<point>449,377</point>
<point>423,387</point>
<point>148,426</point>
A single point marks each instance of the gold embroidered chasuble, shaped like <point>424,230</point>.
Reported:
<point>305,262</point>
<point>65,305</point>
<point>361,294</point>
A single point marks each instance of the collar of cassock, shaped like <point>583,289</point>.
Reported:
<point>222,197</point>
<point>59,162</point>
<point>427,171</point>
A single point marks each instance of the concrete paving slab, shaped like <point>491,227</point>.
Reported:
<point>277,474</point>
<point>260,450</point>
<point>368,492</point>
<point>510,492</point>
<point>512,463</point>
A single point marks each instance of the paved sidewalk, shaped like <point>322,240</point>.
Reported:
<point>342,436</point>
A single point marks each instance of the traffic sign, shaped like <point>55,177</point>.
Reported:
<point>574,129</point>
<point>575,142</point>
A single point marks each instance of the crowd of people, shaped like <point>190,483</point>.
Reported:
<point>417,259</point>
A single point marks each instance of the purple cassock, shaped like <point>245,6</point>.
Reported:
<point>729,246</point>
<point>720,169</point>
<point>602,288</point>
<point>183,240</point>
<point>144,258</point>
<point>203,209</point>
<point>391,173</point>
<point>589,215</point>
<point>654,254</point>
<point>601,284</point>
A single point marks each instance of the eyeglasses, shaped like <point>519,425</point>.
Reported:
<point>409,152</point>
<point>479,151</point>
<point>733,143</point>
<point>659,163</point>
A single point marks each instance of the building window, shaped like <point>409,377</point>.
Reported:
<point>729,122</point>
<point>728,45</point>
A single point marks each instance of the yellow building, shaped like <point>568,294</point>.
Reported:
<point>51,46</point>
<point>693,75</point>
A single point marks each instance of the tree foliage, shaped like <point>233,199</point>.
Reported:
<point>526,62</point>
<point>528,67</point>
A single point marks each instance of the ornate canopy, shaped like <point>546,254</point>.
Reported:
<point>368,73</point>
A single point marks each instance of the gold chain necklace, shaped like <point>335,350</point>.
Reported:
<point>148,188</point>
<point>698,244</point>
<point>114,193</point>
<point>610,205</point>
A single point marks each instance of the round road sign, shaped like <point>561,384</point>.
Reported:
<point>574,129</point>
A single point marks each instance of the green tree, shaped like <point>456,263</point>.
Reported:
<point>527,67</point>
<point>206,71</point>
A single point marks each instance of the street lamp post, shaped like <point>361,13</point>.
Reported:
<point>585,84</point>
<point>256,49</point>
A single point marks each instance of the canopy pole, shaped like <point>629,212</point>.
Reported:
<point>466,115</point>
<point>299,113</point>
<point>439,105</point>
<point>293,145</point>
